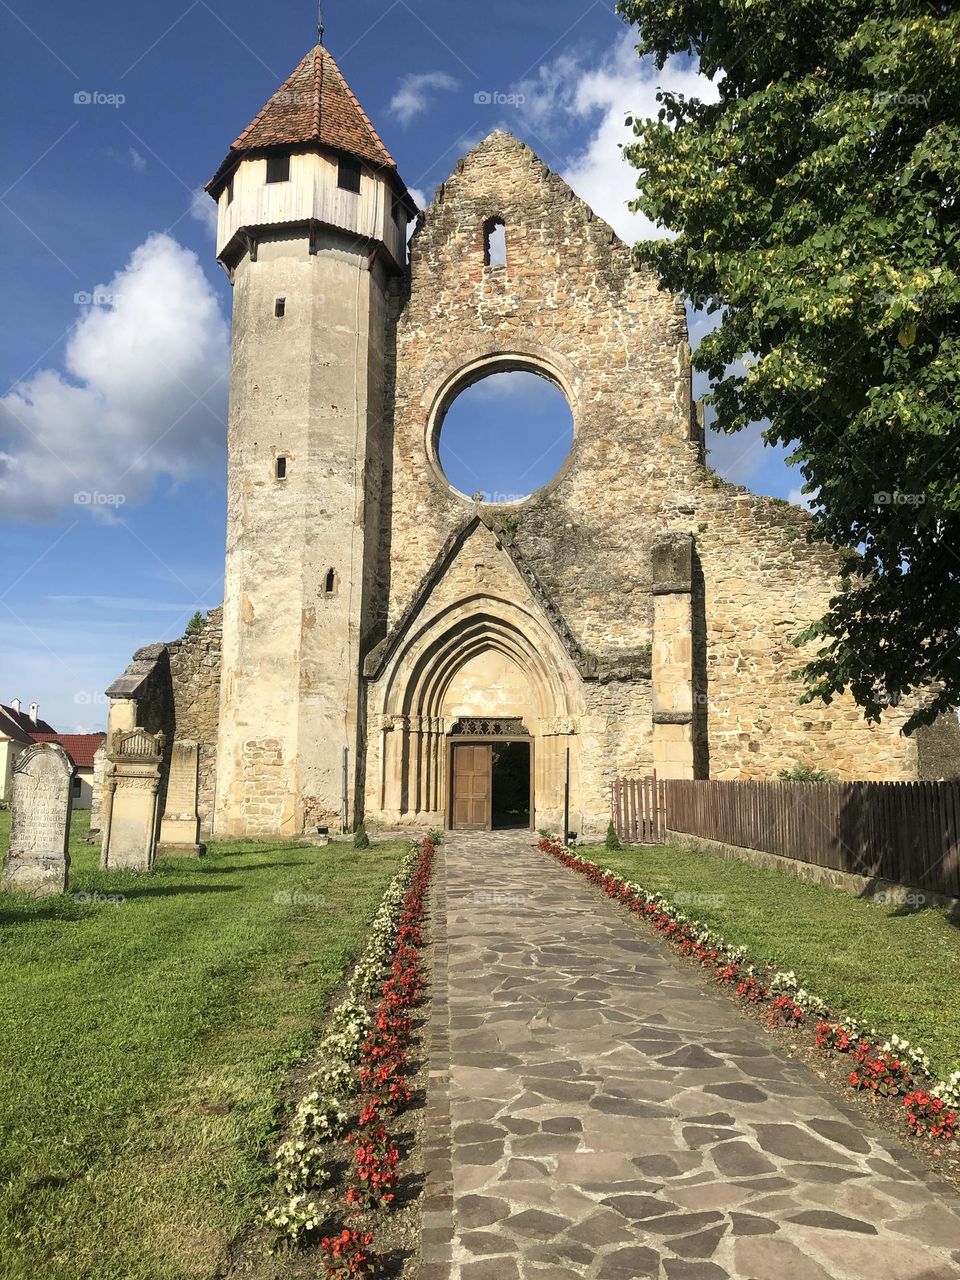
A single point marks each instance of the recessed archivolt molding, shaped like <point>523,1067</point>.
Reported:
<point>433,655</point>
<point>473,366</point>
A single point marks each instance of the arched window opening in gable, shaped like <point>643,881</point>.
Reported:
<point>495,243</point>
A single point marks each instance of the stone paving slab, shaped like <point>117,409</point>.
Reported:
<point>594,1111</point>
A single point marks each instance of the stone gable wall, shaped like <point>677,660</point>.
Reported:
<point>570,297</point>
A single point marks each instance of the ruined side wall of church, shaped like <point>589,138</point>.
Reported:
<point>174,688</point>
<point>195,684</point>
<point>762,584</point>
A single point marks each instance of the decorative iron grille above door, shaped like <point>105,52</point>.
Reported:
<point>498,727</point>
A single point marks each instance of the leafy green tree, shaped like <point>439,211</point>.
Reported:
<point>613,840</point>
<point>816,206</point>
<point>195,623</point>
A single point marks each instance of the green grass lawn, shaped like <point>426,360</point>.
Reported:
<point>895,968</point>
<point>144,1046</point>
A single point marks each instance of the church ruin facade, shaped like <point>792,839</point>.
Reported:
<point>386,642</point>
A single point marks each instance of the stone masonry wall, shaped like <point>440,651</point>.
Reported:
<point>570,302</point>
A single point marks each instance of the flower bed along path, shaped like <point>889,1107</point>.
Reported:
<point>891,1070</point>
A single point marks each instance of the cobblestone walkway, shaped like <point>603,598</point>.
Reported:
<point>595,1111</point>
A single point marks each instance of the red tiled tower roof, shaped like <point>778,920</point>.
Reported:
<point>314,105</point>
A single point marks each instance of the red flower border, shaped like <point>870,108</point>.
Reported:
<point>383,1074</point>
<point>877,1071</point>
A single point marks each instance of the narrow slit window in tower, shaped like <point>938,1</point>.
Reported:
<point>348,173</point>
<point>494,243</point>
<point>280,308</point>
<point>330,583</point>
<point>230,192</point>
<point>281,468</point>
<point>278,168</point>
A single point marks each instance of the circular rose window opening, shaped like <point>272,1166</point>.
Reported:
<point>505,436</point>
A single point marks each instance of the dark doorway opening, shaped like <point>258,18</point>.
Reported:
<point>511,785</point>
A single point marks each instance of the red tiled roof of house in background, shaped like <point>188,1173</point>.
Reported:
<point>18,725</point>
<point>314,105</point>
<point>80,747</point>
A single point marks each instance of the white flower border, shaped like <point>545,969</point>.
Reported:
<point>323,1114</point>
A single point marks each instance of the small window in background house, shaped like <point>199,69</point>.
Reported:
<point>278,168</point>
<point>348,173</point>
<point>281,469</point>
<point>494,243</point>
<point>280,308</point>
<point>77,786</point>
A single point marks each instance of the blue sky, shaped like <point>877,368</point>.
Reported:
<point>114,362</point>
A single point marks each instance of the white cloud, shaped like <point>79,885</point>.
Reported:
<point>806,500</point>
<point>414,92</point>
<point>516,385</point>
<point>204,210</point>
<point>142,394</point>
<point>137,160</point>
<point>568,93</point>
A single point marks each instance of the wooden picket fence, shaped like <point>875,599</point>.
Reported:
<point>905,832</point>
<point>638,810</point>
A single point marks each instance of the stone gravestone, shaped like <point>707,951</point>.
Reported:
<point>129,805</point>
<point>95,834</point>
<point>37,861</point>
<point>180,828</point>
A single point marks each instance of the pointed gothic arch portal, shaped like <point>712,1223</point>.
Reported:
<point>477,708</point>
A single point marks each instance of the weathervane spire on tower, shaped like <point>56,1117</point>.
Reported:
<point>319,21</point>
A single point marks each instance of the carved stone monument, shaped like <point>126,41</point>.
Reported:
<point>180,828</point>
<point>37,861</point>
<point>129,806</point>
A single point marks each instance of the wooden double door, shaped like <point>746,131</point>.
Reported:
<point>472,769</point>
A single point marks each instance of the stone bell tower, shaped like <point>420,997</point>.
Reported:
<point>312,221</point>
